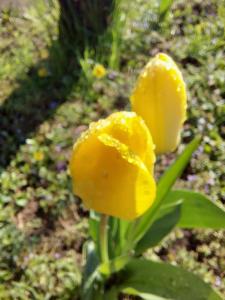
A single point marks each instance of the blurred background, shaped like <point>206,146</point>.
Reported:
<point>49,94</point>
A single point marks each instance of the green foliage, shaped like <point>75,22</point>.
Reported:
<point>17,31</point>
<point>45,277</point>
<point>204,213</point>
<point>57,277</point>
<point>116,32</point>
<point>159,229</point>
<point>164,7</point>
<point>164,280</point>
<point>175,210</point>
<point>11,242</point>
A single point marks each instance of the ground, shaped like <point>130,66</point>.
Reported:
<point>44,107</point>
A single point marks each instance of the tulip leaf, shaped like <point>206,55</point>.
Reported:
<point>113,236</point>
<point>90,288</point>
<point>145,296</point>
<point>197,210</point>
<point>91,271</point>
<point>165,183</point>
<point>117,235</point>
<point>164,280</point>
<point>123,228</point>
<point>176,169</point>
<point>92,260</point>
<point>159,229</point>
<point>112,294</point>
<point>114,265</point>
<point>94,222</point>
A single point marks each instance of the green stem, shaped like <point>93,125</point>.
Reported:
<point>104,238</point>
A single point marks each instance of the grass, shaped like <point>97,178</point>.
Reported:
<point>42,225</point>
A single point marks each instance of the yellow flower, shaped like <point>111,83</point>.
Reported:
<point>44,53</point>
<point>159,97</point>
<point>112,166</point>
<point>38,155</point>
<point>42,72</point>
<point>99,71</point>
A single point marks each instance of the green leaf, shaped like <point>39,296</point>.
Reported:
<point>117,235</point>
<point>114,265</point>
<point>91,270</point>
<point>112,294</point>
<point>123,229</point>
<point>164,185</point>
<point>164,280</point>
<point>92,260</point>
<point>159,229</point>
<point>164,7</point>
<point>197,210</point>
<point>113,236</point>
<point>145,296</point>
<point>94,221</point>
<point>90,287</point>
<point>176,169</point>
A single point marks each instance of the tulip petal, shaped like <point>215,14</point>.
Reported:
<point>126,153</point>
<point>109,175</point>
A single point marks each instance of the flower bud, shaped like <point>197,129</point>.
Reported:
<point>159,97</point>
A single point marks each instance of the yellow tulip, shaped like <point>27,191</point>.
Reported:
<point>112,166</point>
<point>159,97</point>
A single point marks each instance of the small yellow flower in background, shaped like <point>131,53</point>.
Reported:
<point>112,166</point>
<point>38,155</point>
<point>44,53</point>
<point>159,97</point>
<point>42,72</point>
<point>99,71</point>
